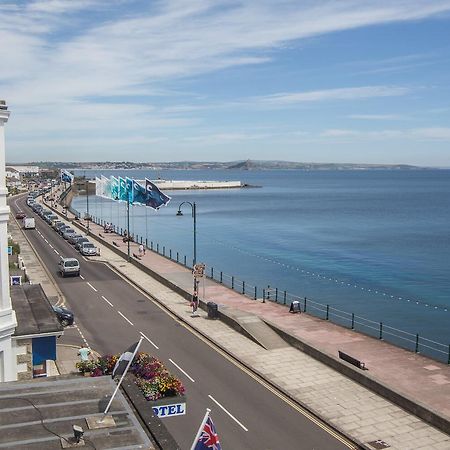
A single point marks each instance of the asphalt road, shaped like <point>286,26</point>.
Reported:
<point>111,314</point>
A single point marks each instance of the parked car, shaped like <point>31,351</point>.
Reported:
<point>20,215</point>
<point>88,249</point>
<point>49,218</point>
<point>73,239</point>
<point>64,316</point>
<point>59,225</point>
<point>67,233</point>
<point>69,266</point>
<point>62,229</point>
<point>80,242</point>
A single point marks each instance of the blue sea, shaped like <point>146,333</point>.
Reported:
<point>375,243</point>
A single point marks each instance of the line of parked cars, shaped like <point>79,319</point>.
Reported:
<point>81,243</point>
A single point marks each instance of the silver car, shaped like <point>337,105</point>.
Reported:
<point>68,233</point>
<point>88,249</point>
<point>69,266</point>
<point>73,239</point>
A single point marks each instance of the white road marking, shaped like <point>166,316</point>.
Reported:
<point>107,301</point>
<point>154,345</point>
<point>51,246</point>
<point>234,418</point>
<point>92,287</point>
<point>56,251</point>
<point>45,240</point>
<point>81,276</point>
<point>129,321</point>
<point>181,370</point>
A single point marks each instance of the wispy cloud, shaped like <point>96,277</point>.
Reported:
<point>386,117</point>
<point>353,93</point>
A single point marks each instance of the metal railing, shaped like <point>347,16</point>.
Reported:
<point>407,340</point>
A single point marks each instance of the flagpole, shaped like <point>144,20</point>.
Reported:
<point>121,379</point>
<point>200,430</point>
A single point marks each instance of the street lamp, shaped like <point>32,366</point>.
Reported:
<point>128,224</point>
<point>194,216</point>
<point>87,203</point>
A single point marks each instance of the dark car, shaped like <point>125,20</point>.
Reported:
<point>64,316</point>
<point>20,215</point>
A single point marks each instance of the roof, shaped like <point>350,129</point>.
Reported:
<point>62,402</point>
<point>33,311</point>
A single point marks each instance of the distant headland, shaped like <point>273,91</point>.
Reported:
<point>248,164</point>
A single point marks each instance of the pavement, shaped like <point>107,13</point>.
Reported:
<point>358,412</point>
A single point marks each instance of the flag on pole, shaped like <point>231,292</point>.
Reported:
<point>139,193</point>
<point>125,360</point>
<point>129,182</point>
<point>114,188</point>
<point>98,187</point>
<point>122,189</point>
<point>106,187</point>
<point>66,176</point>
<point>207,438</point>
<point>154,197</point>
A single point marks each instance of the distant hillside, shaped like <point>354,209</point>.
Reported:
<point>248,164</point>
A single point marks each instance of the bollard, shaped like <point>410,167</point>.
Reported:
<point>243,287</point>
<point>264,296</point>
<point>284,298</point>
<point>164,250</point>
<point>151,245</point>
<point>276,295</point>
<point>178,257</point>
<point>185,260</point>
<point>212,273</point>
<point>146,242</point>
<point>328,312</point>
<point>381,330</point>
<point>256,292</point>
<point>417,343</point>
<point>221,281</point>
<point>170,253</point>
<point>304,306</point>
<point>353,321</point>
<point>232,282</point>
<point>157,247</point>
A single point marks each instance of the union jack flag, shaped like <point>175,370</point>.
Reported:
<point>208,440</point>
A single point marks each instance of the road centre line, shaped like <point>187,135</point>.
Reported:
<point>301,410</point>
<point>154,345</point>
<point>51,246</point>
<point>181,370</point>
<point>129,321</point>
<point>107,301</point>
<point>90,285</point>
<point>234,418</point>
<point>56,251</point>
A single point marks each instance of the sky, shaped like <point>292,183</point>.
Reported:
<point>209,80</point>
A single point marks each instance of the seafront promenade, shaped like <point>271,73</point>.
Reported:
<point>413,382</point>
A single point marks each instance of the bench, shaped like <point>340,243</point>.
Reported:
<point>116,244</point>
<point>355,362</point>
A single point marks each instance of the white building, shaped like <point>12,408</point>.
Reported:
<point>8,360</point>
<point>23,170</point>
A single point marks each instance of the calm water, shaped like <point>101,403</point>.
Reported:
<point>375,243</point>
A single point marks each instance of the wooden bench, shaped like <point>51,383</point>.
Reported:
<point>355,362</point>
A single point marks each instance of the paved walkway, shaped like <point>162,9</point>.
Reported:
<point>344,403</point>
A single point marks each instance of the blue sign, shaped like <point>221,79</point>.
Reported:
<point>177,409</point>
<point>10,251</point>
<point>16,280</point>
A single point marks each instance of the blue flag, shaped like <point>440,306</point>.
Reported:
<point>129,182</point>
<point>114,188</point>
<point>66,176</point>
<point>123,194</point>
<point>154,197</point>
<point>139,194</point>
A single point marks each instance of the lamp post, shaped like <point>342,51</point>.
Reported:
<point>128,224</point>
<point>194,216</point>
<point>87,203</point>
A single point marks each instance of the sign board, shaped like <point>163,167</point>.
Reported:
<point>199,270</point>
<point>176,409</point>
<point>10,250</point>
<point>16,280</point>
